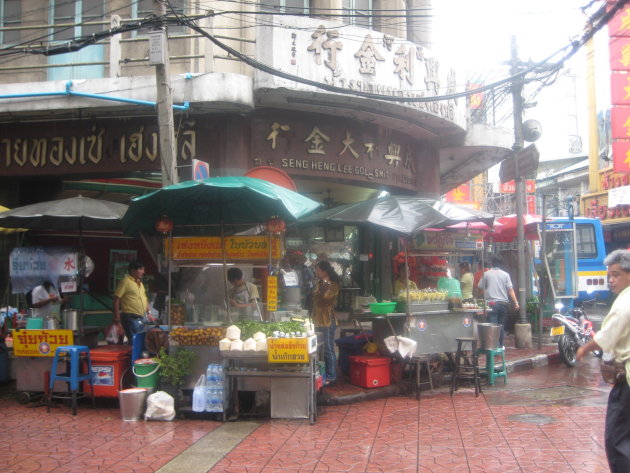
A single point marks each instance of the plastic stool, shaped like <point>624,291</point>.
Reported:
<point>71,354</point>
<point>466,366</point>
<point>490,369</point>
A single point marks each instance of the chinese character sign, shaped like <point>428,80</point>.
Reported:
<point>29,266</point>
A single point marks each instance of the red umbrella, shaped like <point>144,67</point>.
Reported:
<point>507,231</point>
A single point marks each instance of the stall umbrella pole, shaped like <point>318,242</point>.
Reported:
<point>225,284</point>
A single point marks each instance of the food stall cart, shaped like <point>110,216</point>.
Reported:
<point>431,318</point>
<point>229,205</point>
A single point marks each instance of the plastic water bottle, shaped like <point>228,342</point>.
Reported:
<point>220,376</point>
<point>211,377</point>
<point>210,400</point>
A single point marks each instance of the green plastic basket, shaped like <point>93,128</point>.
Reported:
<point>382,307</point>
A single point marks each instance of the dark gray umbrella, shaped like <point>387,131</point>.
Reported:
<point>75,213</point>
<point>404,214</point>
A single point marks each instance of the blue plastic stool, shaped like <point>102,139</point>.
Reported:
<point>490,368</point>
<point>71,354</point>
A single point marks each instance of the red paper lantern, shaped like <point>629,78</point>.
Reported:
<point>164,225</point>
<point>276,225</point>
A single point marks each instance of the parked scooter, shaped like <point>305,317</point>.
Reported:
<point>573,330</point>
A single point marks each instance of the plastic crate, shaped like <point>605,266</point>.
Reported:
<point>370,371</point>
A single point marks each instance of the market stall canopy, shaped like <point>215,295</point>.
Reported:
<point>403,214</point>
<point>227,200</point>
<point>5,231</point>
<point>75,213</point>
<point>507,231</point>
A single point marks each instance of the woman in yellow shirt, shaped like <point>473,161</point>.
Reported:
<point>400,285</point>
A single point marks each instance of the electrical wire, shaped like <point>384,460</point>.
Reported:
<point>599,20</point>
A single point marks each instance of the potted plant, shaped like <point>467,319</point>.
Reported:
<point>174,368</point>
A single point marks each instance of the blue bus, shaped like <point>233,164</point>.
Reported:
<point>592,281</point>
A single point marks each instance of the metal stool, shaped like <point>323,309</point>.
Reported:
<point>490,370</point>
<point>72,355</point>
<point>466,366</point>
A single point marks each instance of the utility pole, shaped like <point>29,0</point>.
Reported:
<point>522,329</point>
<point>166,126</point>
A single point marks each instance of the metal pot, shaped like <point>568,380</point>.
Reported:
<point>70,319</point>
<point>51,323</point>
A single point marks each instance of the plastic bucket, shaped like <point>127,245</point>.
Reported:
<point>132,403</point>
<point>489,335</point>
<point>147,373</point>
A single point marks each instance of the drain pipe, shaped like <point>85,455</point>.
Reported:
<point>70,92</point>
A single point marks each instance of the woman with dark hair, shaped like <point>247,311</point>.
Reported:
<point>325,295</point>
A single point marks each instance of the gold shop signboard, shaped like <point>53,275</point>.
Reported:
<point>244,248</point>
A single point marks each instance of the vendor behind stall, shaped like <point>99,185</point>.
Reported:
<point>466,279</point>
<point>46,300</point>
<point>243,295</point>
<point>130,301</point>
<point>400,285</point>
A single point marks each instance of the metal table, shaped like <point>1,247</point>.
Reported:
<point>292,388</point>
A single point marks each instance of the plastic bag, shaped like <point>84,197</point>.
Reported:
<point>115,334</point>
<point>199,395</point>
<point>160,406</point>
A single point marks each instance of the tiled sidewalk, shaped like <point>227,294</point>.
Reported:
<point>437,434</point>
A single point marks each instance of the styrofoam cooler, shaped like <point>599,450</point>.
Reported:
<point>370,371</point>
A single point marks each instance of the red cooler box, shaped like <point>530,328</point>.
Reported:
<point>109,362</point>
<point>370,371</point>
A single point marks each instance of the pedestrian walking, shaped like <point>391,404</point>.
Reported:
<point>614,340</point>
<point>498,292</point>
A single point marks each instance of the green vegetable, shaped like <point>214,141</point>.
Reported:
<point>250,327</point>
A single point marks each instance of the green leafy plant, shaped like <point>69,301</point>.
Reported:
<point>174,368</point>
<point>531,308</point>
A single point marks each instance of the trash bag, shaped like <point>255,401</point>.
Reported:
<point>115,334</point>
<point>160,406</point>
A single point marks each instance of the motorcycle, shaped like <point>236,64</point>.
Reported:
<point>573,330</point>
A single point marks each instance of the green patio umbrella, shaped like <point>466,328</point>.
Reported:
<point>216,200</point>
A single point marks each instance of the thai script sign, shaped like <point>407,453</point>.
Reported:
<point>40,342</point>
<point>447,241</point>
<point>236,248</point>
<point>30,266</point>
<point>290,350</point>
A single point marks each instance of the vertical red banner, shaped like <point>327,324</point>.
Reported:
<point>621,156</point>
<point>619,25</point>
<point>531,204</point>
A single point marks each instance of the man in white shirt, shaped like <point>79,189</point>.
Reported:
<point>45,299</point>
<point>614,340</point>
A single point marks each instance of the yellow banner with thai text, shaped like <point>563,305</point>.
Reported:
<point>272,293</point>
<point>40,342</point>
<point>290,350</point>
<point>236,248</point>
